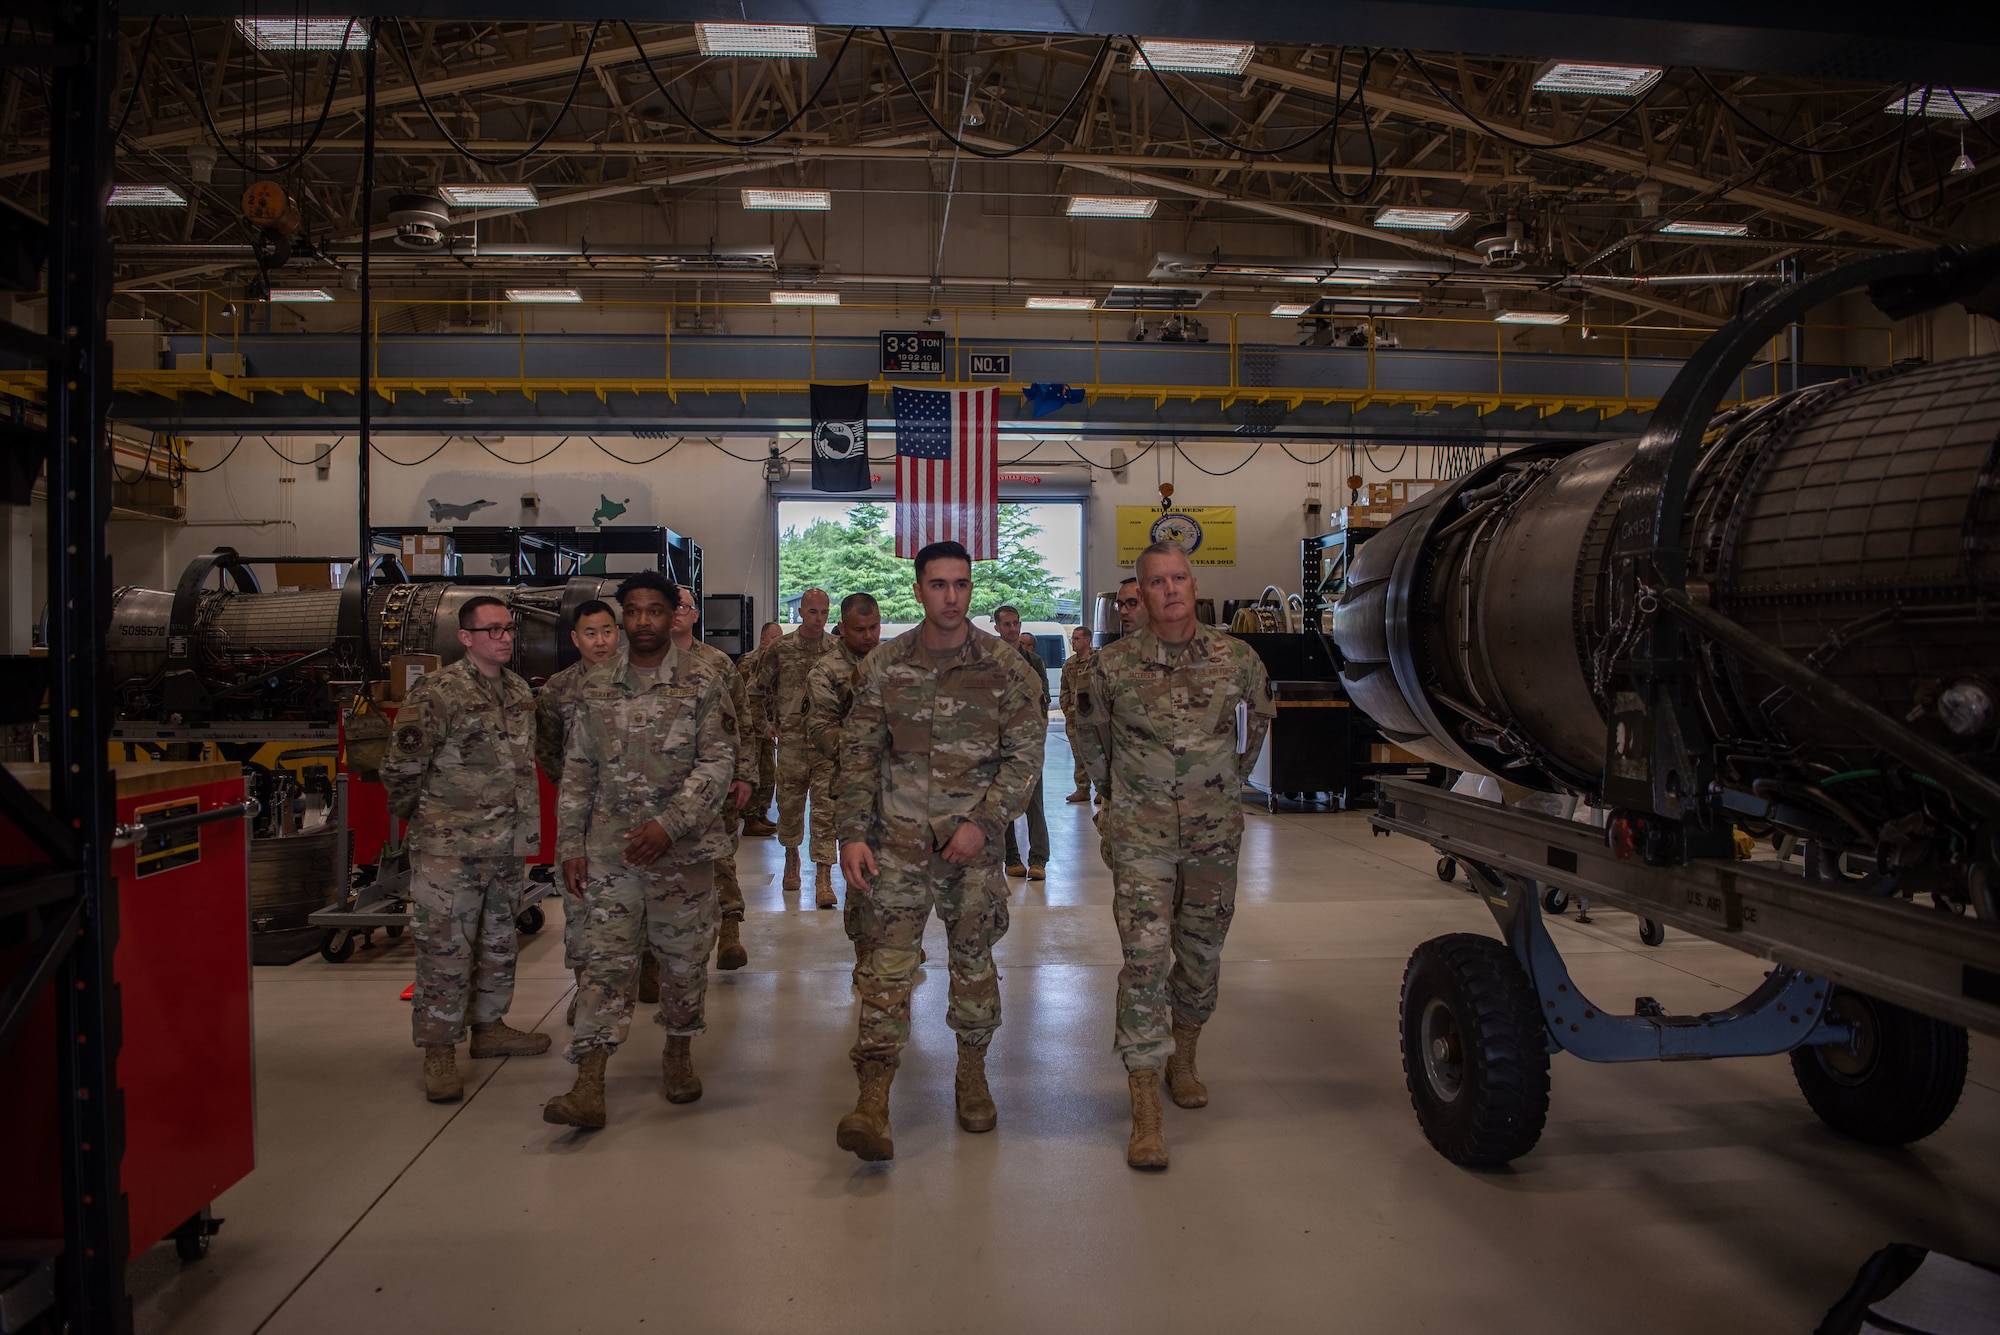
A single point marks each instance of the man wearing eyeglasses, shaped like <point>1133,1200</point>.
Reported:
<point>461,770</point>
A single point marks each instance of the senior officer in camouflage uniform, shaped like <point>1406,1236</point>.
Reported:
<point>1170,720</point>
<point>778,694</point>
<point>940,748</point>
<point>829,694</point>
<point>729,951</point>
<point>652,749</point>
<point>461,770</point>
<point>757,821</point>
<point>594,632</point>
<point>1007,624</point>
<point>1073,670</point>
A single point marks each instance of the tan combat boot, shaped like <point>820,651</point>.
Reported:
<point>729,951</point>
<point>570,1018</point>
<point>975,1102</point>
<point>823,886</point>
<point>1183,1082</point>
<point>584,1104</point>
<point>758,827</point>
<point>677,1075</point>
<point>649,977</point>
<point>441,1082</point>
<point>1015,869</point>
<point>1147,1150</point>
<point>864,1132</point>
<point>499,1039</point>
<point>791,881</point>
<point>1080,795</point>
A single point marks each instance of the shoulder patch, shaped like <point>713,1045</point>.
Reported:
<point>409,737</point>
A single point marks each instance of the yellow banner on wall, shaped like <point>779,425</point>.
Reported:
<point>1206,532</point>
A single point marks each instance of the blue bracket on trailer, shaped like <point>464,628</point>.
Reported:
<point>1788,1011</point>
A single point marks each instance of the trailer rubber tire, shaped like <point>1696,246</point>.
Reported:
<point>531,920</point>
<point>1447,870</point>
<point>338,948</point>
<point>1900,1087</point>
<point>1555,900</point>
<point>1651,932</point>
<point>1475,1052</point>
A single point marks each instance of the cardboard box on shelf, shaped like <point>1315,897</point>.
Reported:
<point>378,691</point>
<point>405,669</point>
<point>427,553</point>
<point>1361,516</point>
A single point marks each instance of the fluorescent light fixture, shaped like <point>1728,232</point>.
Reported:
<point>1111,206</point>
<point>300,294</point>
<point>146,196</point>
<point>1953,104</point>
<point>1423,220</point>
<point>759,197</point>
<point>1690,227</point>
<point>1532,317</point>
<point>1286,310</point>
<point>1570,76</point>
<point>1197,57</point>
<point>805,298</point>
<point>547,296</point>
<point>755,39</point>
<point>490,196</point>
<point>1062,303</point>
<point>304,34</point>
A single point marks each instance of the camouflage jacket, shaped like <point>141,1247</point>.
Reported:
<point>663,753</point>
<point>1074,669</point>
<point>739,690</point>
<point>778,683</point>
<point>829,694</point>
<point>1159,732</point>
<point>461,765</point>
<point>923,750</point>
<point>552,706</point>
<point>1026,645</point>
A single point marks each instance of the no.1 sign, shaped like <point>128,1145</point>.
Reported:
<point>912,352</point>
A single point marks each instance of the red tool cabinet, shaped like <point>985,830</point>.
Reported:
<point>182,969</point>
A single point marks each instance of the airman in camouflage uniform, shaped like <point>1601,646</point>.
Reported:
<point>940,748</point>
<point>729,952</point>
<point>460,768</point>
<point>1073,670</point>
<point>757,820</point>
<point>829,694</point>
<point>778,695</point>
<point>1007,622</point>
<point>1170,720</point>
<point>594,632</point>
<point>651,752</point>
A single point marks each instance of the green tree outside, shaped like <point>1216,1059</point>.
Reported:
<point>859,556</point>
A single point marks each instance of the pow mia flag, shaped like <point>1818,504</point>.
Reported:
<point>840,437</point>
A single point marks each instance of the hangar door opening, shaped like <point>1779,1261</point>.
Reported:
<point>849,546</point>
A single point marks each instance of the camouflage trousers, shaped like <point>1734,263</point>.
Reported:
<point>972,901</point>
<point>1075,760</point>
<point>1038,832</point>
<point>803,770</point>
<point>1172,914</point>
<point>767,778</point>
<point>728,891</point>
<point>668,910</point>
<point>462,923</point>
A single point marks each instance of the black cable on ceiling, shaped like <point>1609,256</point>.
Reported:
<point>1502,135</point>
<point>412,463</point>
<point>1781,141</point>
<point>637,463</point>
<point>520,463</point>
<point>1259,449</point>
<point>710,135</point>
<point>1310,463</point>
<point>138,78</point>
<point>190,468</point>
<point>208,117</point>
<point>1360,101</point>
<point>1082,87</point>
<point>314,462</point>
<point>1896,170</point>
<point>1231,144</point>
<point>505,159</point>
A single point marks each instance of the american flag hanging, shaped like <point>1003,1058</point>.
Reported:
<point>948,470</point>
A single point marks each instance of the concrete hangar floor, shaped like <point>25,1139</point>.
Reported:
<point>1699,1196</point>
